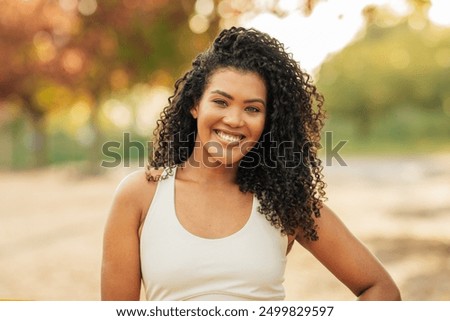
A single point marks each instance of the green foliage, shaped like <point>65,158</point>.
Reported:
<point>61,66</point>
<point>58,56</point>
<point>391,85</point>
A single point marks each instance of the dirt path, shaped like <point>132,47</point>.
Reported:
<point>51,224</point>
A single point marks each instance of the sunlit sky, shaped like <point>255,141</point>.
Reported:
<point>331,26</point>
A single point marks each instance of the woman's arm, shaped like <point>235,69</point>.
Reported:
<point>121,272</point>
<point>349,260</point>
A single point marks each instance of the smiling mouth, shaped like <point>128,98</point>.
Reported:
<point>229,138</point>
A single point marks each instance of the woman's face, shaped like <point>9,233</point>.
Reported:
<point>230,115</point>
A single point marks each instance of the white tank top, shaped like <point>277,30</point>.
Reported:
<point>177,265</point>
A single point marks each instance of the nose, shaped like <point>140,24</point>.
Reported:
<point>234,117</point>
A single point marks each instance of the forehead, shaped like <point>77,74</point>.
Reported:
<point>237,81</point>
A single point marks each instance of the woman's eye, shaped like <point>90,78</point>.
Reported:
<point>220,102</point>
<point>252,109</point>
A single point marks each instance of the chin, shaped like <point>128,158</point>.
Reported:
<point>224,157</point>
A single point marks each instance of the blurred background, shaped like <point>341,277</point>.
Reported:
<point>83,81</point>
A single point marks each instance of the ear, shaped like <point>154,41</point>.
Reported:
<point>194,111</point>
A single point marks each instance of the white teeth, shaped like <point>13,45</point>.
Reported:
<point>228,138</point>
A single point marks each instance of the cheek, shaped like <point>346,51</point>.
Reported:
<point>258,126</point>
<point>207,115</point>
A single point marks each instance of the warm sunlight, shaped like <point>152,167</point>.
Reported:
<point>331,26</point>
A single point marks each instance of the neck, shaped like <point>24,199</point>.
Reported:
<point>208,172</point>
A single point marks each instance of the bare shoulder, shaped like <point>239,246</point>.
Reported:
<point>331,232</point>
<point>134,194</point>
<point>136,181</point>
<point>121,277</point>
<point>325,224</point>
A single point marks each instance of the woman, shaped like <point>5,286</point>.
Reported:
<point>233,183</point>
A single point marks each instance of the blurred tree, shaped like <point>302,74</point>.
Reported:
<point>31,34</point>
<point>391,67</point>
<point>58,51</point>
<point>121,43</point>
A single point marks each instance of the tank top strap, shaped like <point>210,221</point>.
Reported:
<point>164,192</point>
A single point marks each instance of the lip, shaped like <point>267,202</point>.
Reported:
<point>231,133</point>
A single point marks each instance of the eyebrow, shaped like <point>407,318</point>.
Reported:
<point>227,95</point>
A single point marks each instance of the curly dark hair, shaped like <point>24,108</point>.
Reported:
<point>287,180</point>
